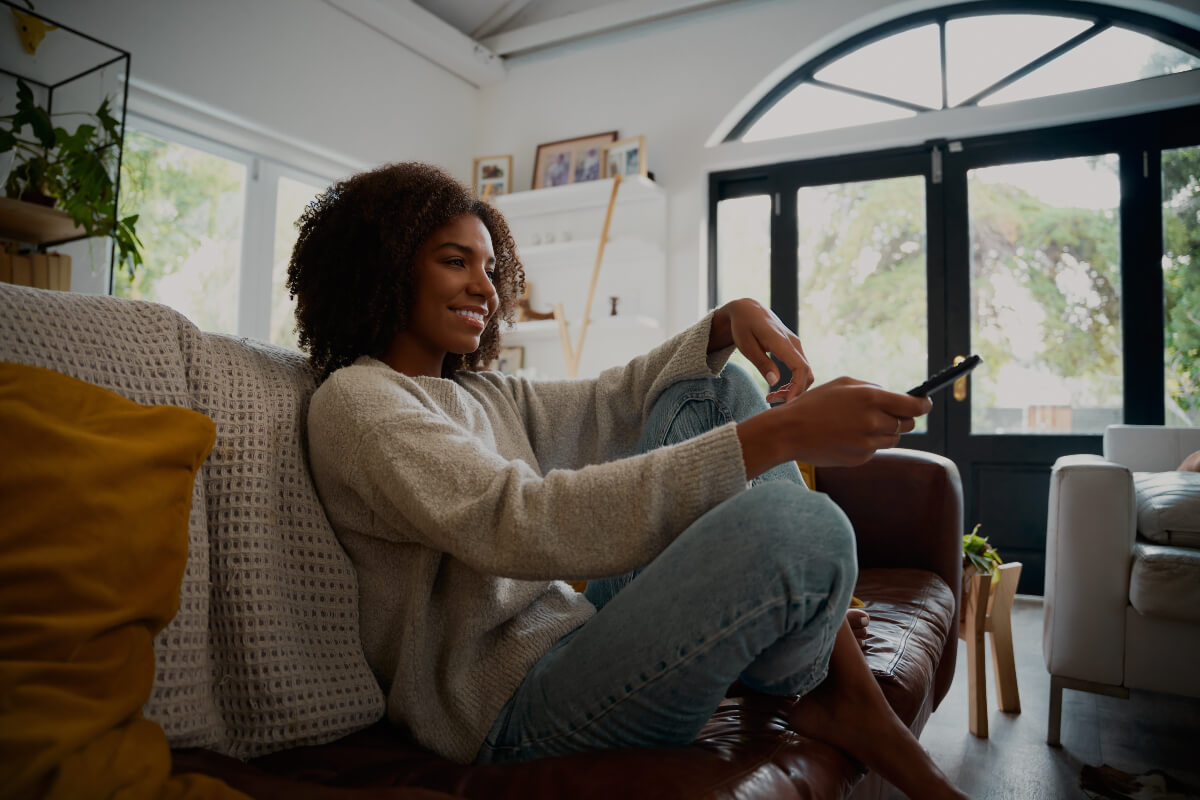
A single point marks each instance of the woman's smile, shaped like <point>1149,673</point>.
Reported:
<point>475,316</point>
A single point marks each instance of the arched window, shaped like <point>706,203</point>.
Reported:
<point>971,54</point>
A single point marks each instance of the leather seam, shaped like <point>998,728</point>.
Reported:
<point>921,606</point>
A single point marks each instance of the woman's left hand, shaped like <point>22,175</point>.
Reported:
<point>756,331</point>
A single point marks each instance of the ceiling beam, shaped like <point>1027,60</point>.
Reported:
<point>598,19</point>
<point>499,18</point>
<point>405,22</point>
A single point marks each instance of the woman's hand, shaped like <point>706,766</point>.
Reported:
<point>837,424</point>
<point>756,331</point>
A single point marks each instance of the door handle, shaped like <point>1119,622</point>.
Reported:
<point>960,385</point>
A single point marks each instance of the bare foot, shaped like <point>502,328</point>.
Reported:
<point>848,710</point>
<point>858,621</point>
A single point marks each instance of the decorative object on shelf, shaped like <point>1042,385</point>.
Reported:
<point>989,586</point>
<point>614,301</point>
<point>626,157</point>
<point>39,270</point>
<point>31,30</point>
<point>510,360</point>
<point>571,160</point>
<point>78,170</point>
<point>573,355</point>
<point>492,176</point>
<point>525,312</point>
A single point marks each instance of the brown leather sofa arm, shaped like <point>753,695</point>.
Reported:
<point>907,510</point>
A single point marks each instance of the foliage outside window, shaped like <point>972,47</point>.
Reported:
<point>1181,284</point>
<point>191,205</point>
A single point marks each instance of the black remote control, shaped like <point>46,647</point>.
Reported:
<point>946,377</point>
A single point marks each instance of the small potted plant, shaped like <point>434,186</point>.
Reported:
<point>70,170</point>
<point>979,558</point>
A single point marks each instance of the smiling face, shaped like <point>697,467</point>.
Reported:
<point>455,298</point>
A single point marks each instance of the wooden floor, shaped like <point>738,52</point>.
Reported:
<point>1147,731</point>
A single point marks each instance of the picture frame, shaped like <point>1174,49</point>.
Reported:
<point>510,360</point>
<point>571,160</point>
<point>493,171</point>
<point>626,157</point>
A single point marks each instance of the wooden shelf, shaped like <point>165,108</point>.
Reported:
<point>34,224</point>
<point>591,194</point>
<point>548,328</point>
<point>582,252</point>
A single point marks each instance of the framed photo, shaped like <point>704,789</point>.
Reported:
<point>626,157</point>
<point>571,160</point>
<point>510,360</point>
<point>494,172</point>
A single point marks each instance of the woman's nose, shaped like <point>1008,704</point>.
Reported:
<point>481,284</point>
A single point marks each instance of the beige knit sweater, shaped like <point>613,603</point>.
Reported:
<point>461,504</point>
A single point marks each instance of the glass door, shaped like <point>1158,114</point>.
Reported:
<point>1035,275</point>
<point>1068,258</point>
<point>1045,300</point>
<point>861,261</point>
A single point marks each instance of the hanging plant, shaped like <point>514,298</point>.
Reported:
<point>72,170</point>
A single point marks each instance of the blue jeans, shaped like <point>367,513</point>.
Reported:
<point>754,589</point>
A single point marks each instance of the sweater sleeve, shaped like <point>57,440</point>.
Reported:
<point>426,479</point>
<point>573,423</point>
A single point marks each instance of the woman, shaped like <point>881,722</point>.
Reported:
<point>462,495</point>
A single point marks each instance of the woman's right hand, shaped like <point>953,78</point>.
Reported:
<point>841,423</point>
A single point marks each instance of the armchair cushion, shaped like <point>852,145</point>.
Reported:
<point>1168,507</point>
<point>1166,582</point>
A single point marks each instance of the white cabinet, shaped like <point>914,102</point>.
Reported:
<point>557,231</point>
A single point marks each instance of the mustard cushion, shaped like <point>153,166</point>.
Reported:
<point>95,493</point>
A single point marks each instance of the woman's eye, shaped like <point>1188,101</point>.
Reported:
<point>491,275</point>
<point>458,262</point>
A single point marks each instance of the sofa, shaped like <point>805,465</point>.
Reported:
<point>1122,598</point>
<point>259,679</point>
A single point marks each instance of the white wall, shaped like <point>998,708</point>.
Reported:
<point>676,81</point>
<point>286,78</point>
<point>299,68</point>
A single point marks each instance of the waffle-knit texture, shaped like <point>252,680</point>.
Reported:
<point>460,503</point>
<point>264,652</point>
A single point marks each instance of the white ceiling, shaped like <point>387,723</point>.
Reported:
<point>471,38</point>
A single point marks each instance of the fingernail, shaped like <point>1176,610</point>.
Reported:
<point>772,377</point>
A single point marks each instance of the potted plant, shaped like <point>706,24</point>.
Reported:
<point>979,558</point>
<point>72,170</point>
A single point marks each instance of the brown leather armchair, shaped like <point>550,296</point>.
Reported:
<point>906,507</point>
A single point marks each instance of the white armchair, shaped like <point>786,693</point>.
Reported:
<point>1121,612</point>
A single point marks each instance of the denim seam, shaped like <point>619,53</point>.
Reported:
<point>817,674</point>
<point>719,637</point>
<point>692,396</point>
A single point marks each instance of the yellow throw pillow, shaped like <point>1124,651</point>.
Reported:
<point>95,494</point>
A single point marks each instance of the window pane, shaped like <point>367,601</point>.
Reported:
<point>744,257</point>
<point>863,299</point>
<point>290,199</point>
<point>1114,56</point>
<point>1045,296</point>
<point>981,50</point>
<point>1181,284</point>
<point>190,206</point>
<point>906,65</point>
<point>809,108</point>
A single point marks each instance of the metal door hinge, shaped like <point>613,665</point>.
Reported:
<point>935,167</point>
<point>775,204</point>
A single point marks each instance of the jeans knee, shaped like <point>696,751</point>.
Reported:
<point>805,527</point>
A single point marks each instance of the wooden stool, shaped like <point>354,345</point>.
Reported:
<point>985,611</point>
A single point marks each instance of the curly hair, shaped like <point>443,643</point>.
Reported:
<point>353,270</point>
